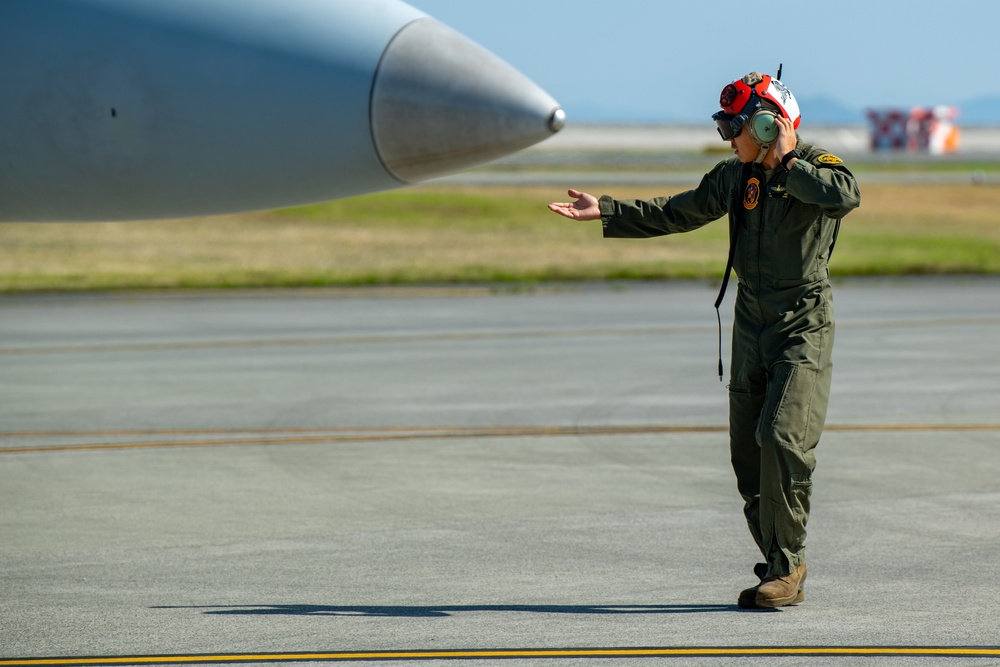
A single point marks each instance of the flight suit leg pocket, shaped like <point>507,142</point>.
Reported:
<point>789,418</point>
<point>787,516</point>
<point>801,491</point>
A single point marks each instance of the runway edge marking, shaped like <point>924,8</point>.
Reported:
<point>298,437</point>
<point>482,654</point>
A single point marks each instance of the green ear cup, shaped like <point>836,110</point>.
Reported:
<point>763,127</point>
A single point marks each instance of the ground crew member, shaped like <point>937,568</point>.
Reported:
<point>784,200</point>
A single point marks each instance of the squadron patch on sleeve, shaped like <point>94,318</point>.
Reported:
<point>828,159</point>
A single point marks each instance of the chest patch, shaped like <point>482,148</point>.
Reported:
<point>751,195</point>
<point>777,190</point>
<point>828,159</point>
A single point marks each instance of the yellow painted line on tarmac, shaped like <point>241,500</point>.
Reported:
<point>913,427</point>
<point>347,435</point>
<point>559,430</point>
<point>480,654</point>
<point>116,433</point>
<point>357,435</point>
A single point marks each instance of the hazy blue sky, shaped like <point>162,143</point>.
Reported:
<point>658,59</point>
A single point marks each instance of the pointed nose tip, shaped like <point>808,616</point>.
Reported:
<point>557,121</point>
<point>441,103</point>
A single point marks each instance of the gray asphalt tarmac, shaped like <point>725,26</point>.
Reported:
<point>476,475</point>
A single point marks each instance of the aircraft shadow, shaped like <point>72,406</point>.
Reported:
<point>436,611</point>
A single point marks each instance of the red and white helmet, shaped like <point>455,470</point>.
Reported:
<point>742,98</point>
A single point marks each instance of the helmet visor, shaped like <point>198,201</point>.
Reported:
<point>729,126</point>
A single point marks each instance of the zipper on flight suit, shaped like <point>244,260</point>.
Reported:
<point>762,201</point>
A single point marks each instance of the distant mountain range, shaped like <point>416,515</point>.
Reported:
<point>825,111</point>
<point>980,111</point>
<point>819,110</point>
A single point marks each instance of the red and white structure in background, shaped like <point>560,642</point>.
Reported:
<point>921,129</point>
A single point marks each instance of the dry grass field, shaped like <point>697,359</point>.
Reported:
<point>438,234</point>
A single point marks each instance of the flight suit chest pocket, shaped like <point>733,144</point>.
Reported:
<point>794,238</point>
<point>777,203</point>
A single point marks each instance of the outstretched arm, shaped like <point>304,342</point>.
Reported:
<point>584,208</point>
<point>634,219</point>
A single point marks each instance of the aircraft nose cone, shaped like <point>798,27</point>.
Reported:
<point>557,120</point>
<point>441,103</point>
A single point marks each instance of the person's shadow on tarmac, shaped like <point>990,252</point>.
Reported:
<point>431,611</point>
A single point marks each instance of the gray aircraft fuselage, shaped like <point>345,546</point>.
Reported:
<point>136,109</point>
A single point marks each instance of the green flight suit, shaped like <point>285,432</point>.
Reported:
<point>785,225</point>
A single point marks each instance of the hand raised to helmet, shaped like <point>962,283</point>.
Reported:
<point>786,139</point>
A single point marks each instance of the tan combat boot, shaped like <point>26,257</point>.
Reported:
<point>777,591</point>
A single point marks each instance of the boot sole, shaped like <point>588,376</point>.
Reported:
<point>799,596</point>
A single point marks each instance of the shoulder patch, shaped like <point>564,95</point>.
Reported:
<point>828,159</point>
